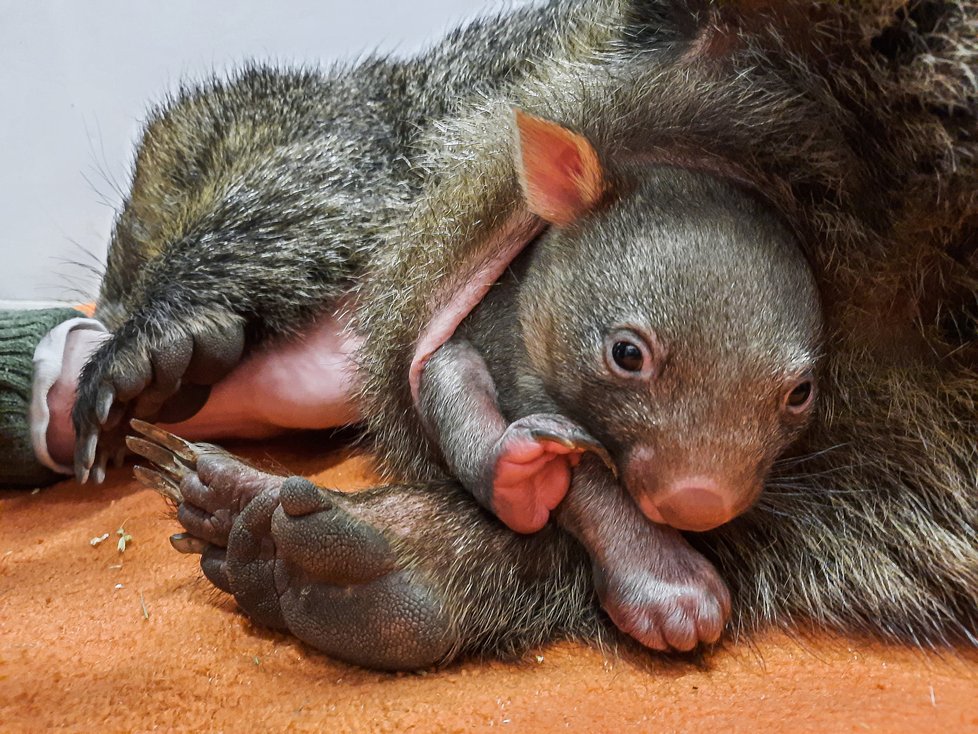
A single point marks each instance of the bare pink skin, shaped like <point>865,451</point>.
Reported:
<point>691,507</point>
<point>684,498</point>
<point>530,481</point>
<point>302,384</point>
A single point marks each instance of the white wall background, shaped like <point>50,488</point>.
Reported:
<point>76,79</point>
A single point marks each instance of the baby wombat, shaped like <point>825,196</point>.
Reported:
<point>666,321</point>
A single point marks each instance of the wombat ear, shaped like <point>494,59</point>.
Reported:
<point>560,173</point>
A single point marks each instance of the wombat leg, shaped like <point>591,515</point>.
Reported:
<point>164,372</point>
<point>300,558</point>
<point>519,470</point>
<point>651,582</point>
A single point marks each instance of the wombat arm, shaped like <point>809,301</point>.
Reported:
<point>520,470</point>
<point>651,582</point>
<point>504,245</point>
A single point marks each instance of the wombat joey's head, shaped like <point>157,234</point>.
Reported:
<point>672,314</point>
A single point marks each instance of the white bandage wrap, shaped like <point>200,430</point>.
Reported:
<point>48,360</point>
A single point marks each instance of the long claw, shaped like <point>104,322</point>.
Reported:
<point>104,402</point>
<point>159,482</point>
<point>85,456</point>
<point>159,456</point>
<point>603,454</point>
<point>187,543</point>
<point>178,446</point>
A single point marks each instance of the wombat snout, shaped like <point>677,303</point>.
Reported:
<point>697,504</point>
<point>693,502</point>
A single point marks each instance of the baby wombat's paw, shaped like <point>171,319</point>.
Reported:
<point>164,376</point>
<point>676,602</point>
<point>297,557</point>
<point>531,472</point>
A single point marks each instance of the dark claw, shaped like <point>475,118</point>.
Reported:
<point>104,402</point>
<point>85,455</point>
<point>159,456</point>
<point>159,482</point>
<point>187,543</point>
<point>176,445</point>
<point>578,441</point>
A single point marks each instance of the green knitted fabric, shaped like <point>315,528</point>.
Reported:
<point>20,332</point>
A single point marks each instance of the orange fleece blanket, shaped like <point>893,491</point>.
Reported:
<point>94,639</point>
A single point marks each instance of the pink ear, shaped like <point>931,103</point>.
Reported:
<point>560,173</point>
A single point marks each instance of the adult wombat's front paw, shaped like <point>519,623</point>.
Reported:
<point>151,375</point>
<point>675,603</point>
<point>297,557</point>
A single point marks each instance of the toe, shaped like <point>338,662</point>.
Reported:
<point>213,528</point>
<point>679,630</point>
<point>131,381</point>
<point>170,361</point>
<point>213,562</point>
<point>251,562</point>
<point>301,497</point>
<point>710,621</point>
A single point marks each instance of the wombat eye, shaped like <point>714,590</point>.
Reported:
<point>800,396</point>
<point>628,356</point>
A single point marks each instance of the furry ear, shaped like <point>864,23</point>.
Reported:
<point>560,173</point>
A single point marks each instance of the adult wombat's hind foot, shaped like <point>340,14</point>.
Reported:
<point>296,556</point>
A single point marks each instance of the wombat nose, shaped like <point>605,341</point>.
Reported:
<point>696,505</point>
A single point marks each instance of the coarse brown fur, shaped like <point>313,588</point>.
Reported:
<point>857,121</point>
